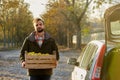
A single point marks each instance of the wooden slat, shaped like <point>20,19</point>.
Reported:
<point>40,66</point>
<point>40,62</point>
<point>42,56</point>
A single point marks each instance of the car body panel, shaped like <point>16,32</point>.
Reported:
<point>94,49</point>
<point>78,74</point>
<point>111,68</point>
<point>98,65</point>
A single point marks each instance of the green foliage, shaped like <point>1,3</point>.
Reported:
<point>86,31</point>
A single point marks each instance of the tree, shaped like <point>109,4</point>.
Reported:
<point>77,11</point>
<point>54,22</point>
<point>65,13</point>
<point>15,25</point>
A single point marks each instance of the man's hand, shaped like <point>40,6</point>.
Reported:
<point>23,64</point>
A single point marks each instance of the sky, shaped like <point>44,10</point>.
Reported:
<point>37,7</point>
<point>99,12</point>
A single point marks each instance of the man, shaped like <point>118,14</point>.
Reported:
<point>39,41</point>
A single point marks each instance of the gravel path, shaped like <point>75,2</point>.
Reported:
<point>10,68</point>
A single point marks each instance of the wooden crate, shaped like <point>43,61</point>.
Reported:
<point>40,62</point>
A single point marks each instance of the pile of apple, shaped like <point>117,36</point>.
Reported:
<point>38,54</point>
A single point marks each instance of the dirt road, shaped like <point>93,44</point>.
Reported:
<point>10,68</point>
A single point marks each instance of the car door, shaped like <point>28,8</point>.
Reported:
<point>111,66</point>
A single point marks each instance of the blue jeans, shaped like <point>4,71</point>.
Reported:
<point>40,77</point>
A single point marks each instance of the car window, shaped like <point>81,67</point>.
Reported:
<point>115,27</point>
<point>88,55</point>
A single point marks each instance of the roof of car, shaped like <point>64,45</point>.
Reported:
<point>109,12</point>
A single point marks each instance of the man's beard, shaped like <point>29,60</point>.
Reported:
<point>40,30</point>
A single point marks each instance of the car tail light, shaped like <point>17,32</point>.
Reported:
<point>98,65</point>
<point>97,72</point>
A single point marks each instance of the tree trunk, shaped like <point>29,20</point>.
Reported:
<point>4,35</point>
<point>78,45</point>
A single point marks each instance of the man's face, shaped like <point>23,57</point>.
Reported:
<point>39,26</point>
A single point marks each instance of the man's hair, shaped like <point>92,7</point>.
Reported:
<point>35,20</point>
